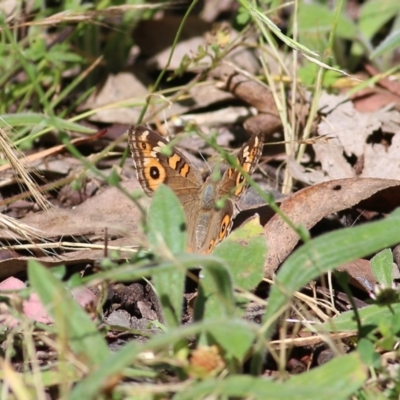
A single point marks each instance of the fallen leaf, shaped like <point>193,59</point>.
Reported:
<point>360,273</point>
<point>351,135</point>
<point>109,212</point>
<point>109,209</point>
<point>310,205</point>
<point>117,88</point>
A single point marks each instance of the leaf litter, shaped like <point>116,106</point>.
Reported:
<point>351,178</point>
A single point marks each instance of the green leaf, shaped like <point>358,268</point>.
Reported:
<point>70,320</point>
<point>390,43</point>
<point>368,354</point>
<point>236,343</point>
<point>114,178</point>
<point>115,364</point>
<point>337,379</point>
<point>215,296</point>
<point>375,14</point>
<point>166,222</point>
<point>325,253</point>
<point>369,316</point>
<point>167,234</point>
<point>317,19</point>
<point>245,250</point>
<point>382,267</point>
<point>263,21</point>
<point>242,17</point>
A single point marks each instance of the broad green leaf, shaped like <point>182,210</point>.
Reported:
<point>70,319</point>
<point>372,316</point>
<point>325,253</point>
<point>166,222</point>
<point>236,343</point>
<point>215,295</point>
<point>337,379</point>
<point>373,16</point>
<point>167,234</point>
<point>367,352</point>
<point>245,250</point>
<point>382,267</point>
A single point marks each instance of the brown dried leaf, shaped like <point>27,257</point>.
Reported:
<point>154,36</point>
<point>117,88</point>
<point>373,99</point>
<point>15,263</point>
<point>310,205</point>
<point>246,89</point>
<point>352,136</point>
<point>109,209</point>
<point>361,275</point>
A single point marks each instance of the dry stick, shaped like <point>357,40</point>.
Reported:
<point>71,246</point>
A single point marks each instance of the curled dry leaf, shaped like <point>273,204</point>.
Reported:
<point>253,93</point>
<point>246,89</point>
<point>308,206</point>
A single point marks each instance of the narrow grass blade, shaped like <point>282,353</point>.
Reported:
<point>27,119</point>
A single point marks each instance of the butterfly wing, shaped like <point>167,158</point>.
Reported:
<point>210,227</point>
<point>233,182</point>
<point>155,167</point>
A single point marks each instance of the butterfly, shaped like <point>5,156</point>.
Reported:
<point>207,224</point>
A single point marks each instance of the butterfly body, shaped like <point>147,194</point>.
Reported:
<point>207,223</point>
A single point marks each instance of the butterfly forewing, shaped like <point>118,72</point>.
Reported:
<point>233,182</point>
<point>154,167</point>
